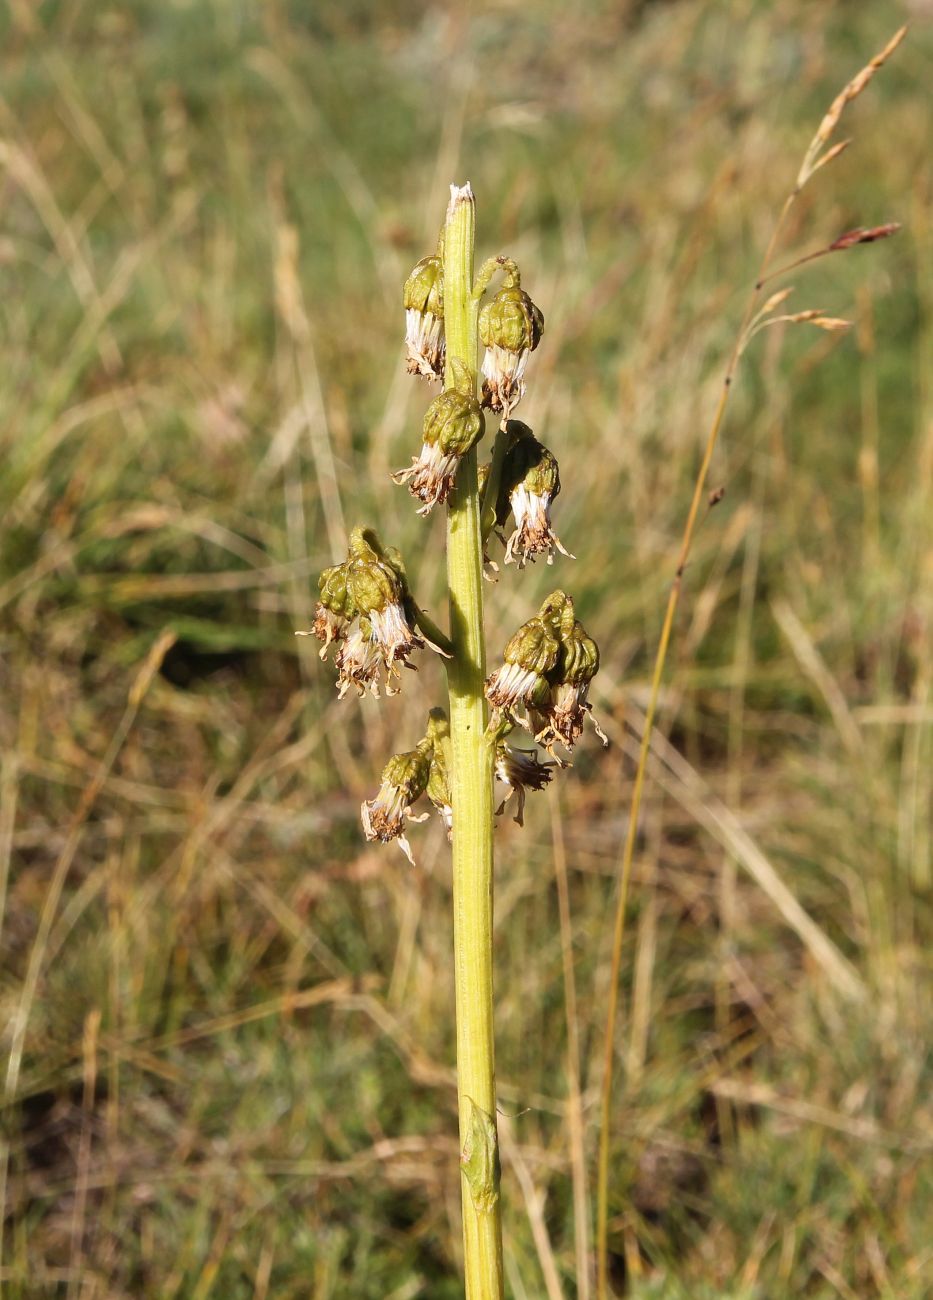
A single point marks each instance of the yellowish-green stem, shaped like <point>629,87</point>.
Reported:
<point>471,780</point>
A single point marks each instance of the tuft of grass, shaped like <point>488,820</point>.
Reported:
<point>268,1094</point>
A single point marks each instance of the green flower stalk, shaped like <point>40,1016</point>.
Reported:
<point>472,792</point>
<point>367,610</point>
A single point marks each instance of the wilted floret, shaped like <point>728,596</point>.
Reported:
<point>453,424</point>
<point>423,300</point>
<point>335,610</point>
<point>530,482</point>
<point>359,661</point>
<point>404,780</point>
<point>560,715</point>
<point>510,327</point>
<point>520,770</point>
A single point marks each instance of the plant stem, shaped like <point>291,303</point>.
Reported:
<point>471,781</point>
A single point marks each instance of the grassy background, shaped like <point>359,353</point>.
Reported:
<point>228,1018</point>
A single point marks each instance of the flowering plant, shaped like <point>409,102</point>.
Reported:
<point>367,611</point>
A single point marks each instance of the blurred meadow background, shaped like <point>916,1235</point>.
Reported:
<point>228,1039</point>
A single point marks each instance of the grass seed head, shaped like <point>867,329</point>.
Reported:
<point>812,160</point>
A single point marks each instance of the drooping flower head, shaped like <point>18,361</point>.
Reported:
<point>560,715</point>
<point>530,654</point>
<point>510,326</point>
<point>379,591</point>
<point>520,770</point>
<point>404,781</point>
<point>453,424</point>
<point>366,607</point>
<point>423,300</point>
<point>530,481</point>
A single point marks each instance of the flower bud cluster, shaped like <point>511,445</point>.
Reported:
<point>549,665</point>
<point>366,609</point>
<point>425,770</point>
<point>365,606</point>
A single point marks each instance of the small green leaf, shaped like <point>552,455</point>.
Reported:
<point>479,1159</point>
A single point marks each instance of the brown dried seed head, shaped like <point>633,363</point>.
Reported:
<point>864,235</point>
